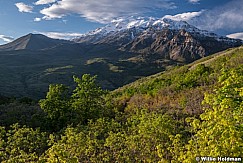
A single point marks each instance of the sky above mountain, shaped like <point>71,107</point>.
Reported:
<point>70,18</point>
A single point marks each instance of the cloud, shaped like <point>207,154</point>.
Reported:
<point>23,7</point>
<point>44,2</point>
<point>236,35</point>
<point>194,1</point>
<point>104,11</point>
<point>58,35</point>
<point>37,19</point>
<point>227,17</point>
<point>6,38</point>
<point>187,16</point>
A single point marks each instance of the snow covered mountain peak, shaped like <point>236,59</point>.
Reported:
<point>136,26</point>
<point>142,23</point>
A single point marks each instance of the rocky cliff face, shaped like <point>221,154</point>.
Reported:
<point>160,39</point>
<point>178,45</point>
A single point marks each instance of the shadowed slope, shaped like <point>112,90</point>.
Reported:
<point>32,42</point>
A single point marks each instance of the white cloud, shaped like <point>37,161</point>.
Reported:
<point>58,35</point>
<point>37,19</point>
<point>104,11</point>
<point>44,2</point>
<point>23,7</point>
<point>194,1</point>
<point>227,17</point>
<point>6,38</point>
<point>184,16</point>
<point>236,35</point>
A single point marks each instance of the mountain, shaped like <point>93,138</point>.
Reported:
<point>119,53</point>
<point>160,38</point>
<point>32,42</point>
<point>135,27</point>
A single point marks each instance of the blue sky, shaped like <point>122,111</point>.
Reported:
<point>59,18</point>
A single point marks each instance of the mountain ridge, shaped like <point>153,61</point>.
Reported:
<point>144,23</point>
<point>29,64</point>
<point>163,38</point>
<point>32,42</point>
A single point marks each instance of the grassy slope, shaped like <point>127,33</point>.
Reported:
<point>180,90</point>
<point>28,73</point>
<point>142,135</point>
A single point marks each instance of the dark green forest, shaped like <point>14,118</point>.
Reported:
<point>173,116</point>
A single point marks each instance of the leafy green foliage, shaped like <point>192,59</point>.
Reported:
<point>22,144</point>
<point>87,99</point>
<point>86,102</point>
<point>56,106</point>
<point>107,141</point>
<point>83,144</point>
<point>145,133</point>
<point>219,130</point>
<point>24,114</point>
<point>194,110</point>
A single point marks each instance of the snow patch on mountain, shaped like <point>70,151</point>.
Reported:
<point>144,23</point>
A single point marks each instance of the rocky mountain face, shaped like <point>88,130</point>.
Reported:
<point>179,45</point>
<point>119,53</point>
<point>160,38</point>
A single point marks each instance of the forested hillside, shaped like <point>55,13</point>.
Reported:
<point>174,116</point>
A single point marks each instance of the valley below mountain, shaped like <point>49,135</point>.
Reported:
<point>172,116</point>
<point>175,95</point>
<point>119,53</point>
<point>121,81</point>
